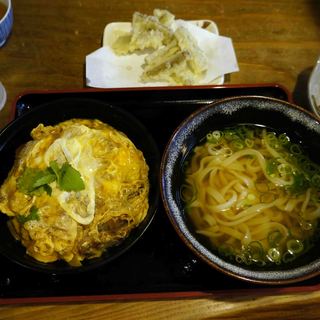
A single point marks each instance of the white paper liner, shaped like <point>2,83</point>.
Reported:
<point>314,88</point>
<point>3,96</point>
<point>105,69</point>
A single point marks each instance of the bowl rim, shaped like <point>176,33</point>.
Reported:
<point>269,277</point>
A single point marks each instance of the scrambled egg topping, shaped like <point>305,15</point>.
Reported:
<point>76,189</point>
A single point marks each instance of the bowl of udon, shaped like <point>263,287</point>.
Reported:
<point>78,185</point>
<point>240,182</point>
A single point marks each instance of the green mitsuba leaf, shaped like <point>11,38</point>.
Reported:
<point>36,181</point>
<point>33,181</point>
<point>70,179</point>
<point>33,215</point>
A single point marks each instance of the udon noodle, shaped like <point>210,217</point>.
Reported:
<point>253,194</point>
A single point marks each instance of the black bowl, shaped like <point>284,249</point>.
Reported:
<point>18,132</point>
<point>281,116</point>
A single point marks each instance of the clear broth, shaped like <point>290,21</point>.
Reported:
<point>280,233</point>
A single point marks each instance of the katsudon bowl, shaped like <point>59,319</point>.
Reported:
<point>247,220</point>
<point>17,133</point>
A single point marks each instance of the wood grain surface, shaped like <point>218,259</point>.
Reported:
<point>276,41</point>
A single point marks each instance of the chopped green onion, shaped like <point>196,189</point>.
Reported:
<point>271,166</point>
<point>283,139</point>
<point>216,134</point>
<point>274,238</point>
<point>237,144</point>
<point>274,255</point>
<point>311,167</point>
<point>227,152</point>
<point>284,169</point>
<point>213,149</point>
<point>249,143</point>
<point>229,135</point>
<point>272,140</point>
<point>214,137</point>
<point>300,183</point>
<point>302,161</point>
<point>239,259</point>
<point>271,136</point>
<point>255,250</point>
<point>288,257</point>
<point>295,149</point>
<point>315,180</point>
<point>295,246</point>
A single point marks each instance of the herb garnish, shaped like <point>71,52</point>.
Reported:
<point>33,215</point>
<point>36,181</point>
<point>68,178</point>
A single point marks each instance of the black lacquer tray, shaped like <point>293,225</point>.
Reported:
<point>158,265</point>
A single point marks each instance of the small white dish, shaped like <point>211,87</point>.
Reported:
<point>3,96</point>
<point>104,69</point>
<point>314,89</point>
<point>110,32</point>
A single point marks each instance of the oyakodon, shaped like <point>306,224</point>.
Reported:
<point>76,189</point>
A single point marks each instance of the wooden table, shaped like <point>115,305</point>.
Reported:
<point>276,41</point>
